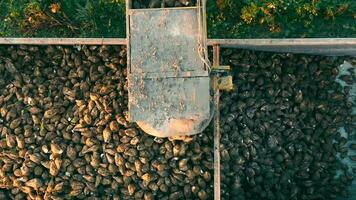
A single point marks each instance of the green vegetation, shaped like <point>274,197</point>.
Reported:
<point>282,18</point>
<point>63,18</point>
<point>226,18</point>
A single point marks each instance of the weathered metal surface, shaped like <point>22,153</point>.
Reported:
<point>172,45</point>
<point>169,90</point>
<point>168,98</point>
<point>63,41</point>
<point>284,42</point>
<point>179,74</point>
<point>317,46</point>
<point>217,182</point>
<point>217,136</point>
<point>128,4</point>
<point>158,101</point>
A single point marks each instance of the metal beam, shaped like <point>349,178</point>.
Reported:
<point>211,42</point>
<point>217,135</point>
<point>320,46</point>
<point>63,41</point>
<point>283,42</point>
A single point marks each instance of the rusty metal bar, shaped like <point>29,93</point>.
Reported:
<point>217,186</point>
<point>63,41</point>
<point>216,54</point>
<point>318,46</point>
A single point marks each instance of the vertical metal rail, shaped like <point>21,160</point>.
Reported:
<point>217,188</point>
<point>128,4</point>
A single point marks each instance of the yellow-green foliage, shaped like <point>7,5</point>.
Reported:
<point>249,12</point>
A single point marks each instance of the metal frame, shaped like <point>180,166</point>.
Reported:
<point>320,46</point>
<point>217,134</point>
<point>63,41</point>
<point>128,4</point>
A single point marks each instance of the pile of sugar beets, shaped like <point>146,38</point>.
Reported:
<point>281,135</point>
<point>64,133</point>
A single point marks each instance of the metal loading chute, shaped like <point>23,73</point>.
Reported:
<point>168,79</point>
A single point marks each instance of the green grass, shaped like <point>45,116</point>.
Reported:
<point>73,18</point>
<point>226,18</point>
